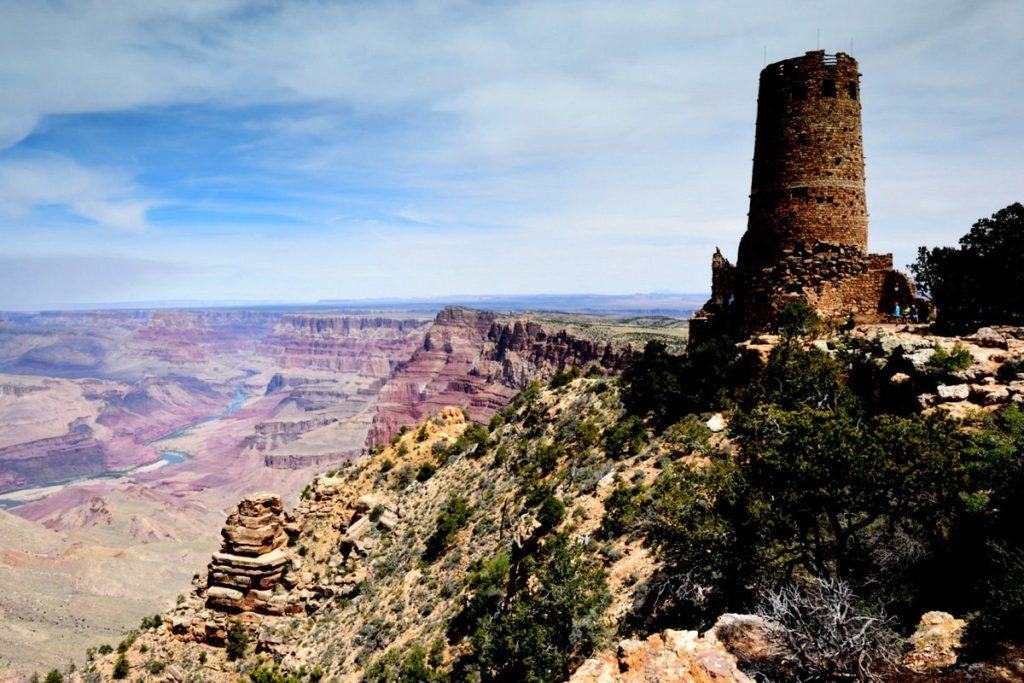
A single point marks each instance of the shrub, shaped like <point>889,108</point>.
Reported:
<point>668,387</point>
<point>551,512</point>
<point>410,667</point>
<point>562,378</point>
<point>622,509</point>
<point>527,396</point>
<point>238,641</point>
<point>403,476</point>
<point>151,622</point>
<point>127,642</point>
<point>54,676</point>
<point>542,634</point>
<point>376,512</point>
<point>943,362</point>
<point>823,634</point>
<point>271,673</point>
<point>486,584</point>
<point>625,438</point>
<point>473,440</point>
<point>386,466</point>
<point>689,434</point>
<point>120,668</point>
<point>977,283</point>
<point>798,319</point>
<point>426,471</point>
<point>453,515</point>
<point>795,376</point>
<point>105,649</point>
<point>157,668</point>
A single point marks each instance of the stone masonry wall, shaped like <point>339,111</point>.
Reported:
<point>808,177</point>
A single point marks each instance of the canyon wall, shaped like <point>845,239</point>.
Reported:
<point>478,361</point>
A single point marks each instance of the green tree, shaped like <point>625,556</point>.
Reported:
<point>545,631</point>
<point>667,387</point>
<point>120,668</point>
<point>453,515</point>
<point>238,641</point>
<point>977,283</point>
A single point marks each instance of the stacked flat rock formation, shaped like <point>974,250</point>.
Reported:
<point>243,576</point>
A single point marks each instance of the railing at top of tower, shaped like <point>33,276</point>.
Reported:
<point>830,60</point>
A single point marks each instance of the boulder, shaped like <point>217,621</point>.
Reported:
<point>989,337</point>
<point>388,520</point>
<point>716,423</point>
<point>667,657</point>
<point>747,636</point>
<point>367,502</point>
<point>989,394</point>
<point>953,392</point>
<point>936,641</point>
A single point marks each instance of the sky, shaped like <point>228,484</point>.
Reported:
<point>297,151</point>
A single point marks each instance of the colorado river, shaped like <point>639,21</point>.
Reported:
<point>168,456</point>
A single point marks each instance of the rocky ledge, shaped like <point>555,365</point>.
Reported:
<point>249,576</point>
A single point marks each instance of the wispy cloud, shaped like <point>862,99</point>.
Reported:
<point>326,149</point>
<point>108,198</point>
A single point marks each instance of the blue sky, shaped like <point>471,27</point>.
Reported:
<point>172,150</point>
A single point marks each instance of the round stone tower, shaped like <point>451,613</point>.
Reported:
<point>808,180</point>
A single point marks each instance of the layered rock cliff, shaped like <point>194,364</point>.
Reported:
<point>479,360</point>
<point>57,458</point>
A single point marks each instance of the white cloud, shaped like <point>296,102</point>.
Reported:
<point>548,144</point>
<point>108,198</point>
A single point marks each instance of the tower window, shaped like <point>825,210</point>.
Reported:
<point>799,192</point>
<point>799,91</point>
<point>851,88</point>
<point>828,87</point>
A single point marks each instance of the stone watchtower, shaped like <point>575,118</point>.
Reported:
<point>807,230</point>
<point>808,180</point>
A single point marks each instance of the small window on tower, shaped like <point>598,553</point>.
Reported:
<point>799,192</point>
<point>828,88</point>
<point>851,88</point>
<point>799,91</point>
<point>839,160</point>
<point>804,140</point>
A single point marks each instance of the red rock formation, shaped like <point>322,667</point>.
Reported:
<point>243,575</point>
<point>367,346</point>
<point>57,458</point>
<point>477,361</point>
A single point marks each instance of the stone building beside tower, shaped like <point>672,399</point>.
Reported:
<point>807,229</point>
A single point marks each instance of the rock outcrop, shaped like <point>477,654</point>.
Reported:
<point>666,657</point>
<point>936,642</point>
<point>248,576</point>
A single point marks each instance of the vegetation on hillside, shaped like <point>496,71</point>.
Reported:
<point>596,507</point>
<point>913,513</point>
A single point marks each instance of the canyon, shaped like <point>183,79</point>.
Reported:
<point>127,436</point>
